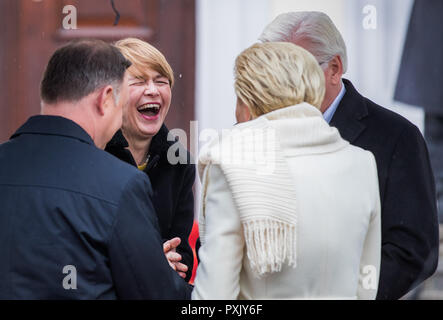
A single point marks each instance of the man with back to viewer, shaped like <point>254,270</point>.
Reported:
<point>75,222</point>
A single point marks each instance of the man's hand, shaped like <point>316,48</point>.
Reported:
<point>174,258</point>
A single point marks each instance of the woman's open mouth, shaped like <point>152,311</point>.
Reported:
<point>149,111</point>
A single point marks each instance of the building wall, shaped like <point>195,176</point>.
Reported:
<point>224,29</point>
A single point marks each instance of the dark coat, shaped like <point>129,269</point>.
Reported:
<point>64,203</point>
<point>173,198</point>
<point>420,79</point>
<point>407,190</point>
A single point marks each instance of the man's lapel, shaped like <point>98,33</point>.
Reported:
<point>351,110</point>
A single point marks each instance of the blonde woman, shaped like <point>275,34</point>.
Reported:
<point>290,210</point>
<point>143,142</point>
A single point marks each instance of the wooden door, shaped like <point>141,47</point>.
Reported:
<point>30,31</point>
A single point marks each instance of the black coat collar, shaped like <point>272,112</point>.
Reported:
<point>159,143</point>
<point>158,148</point>
<point>351,110</point>
<point>54,125</point>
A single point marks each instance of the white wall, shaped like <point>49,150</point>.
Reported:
<point>375,55</point>
<point>333,8</point>
<point>224,29</point>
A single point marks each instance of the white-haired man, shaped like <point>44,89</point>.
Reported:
<point>407,189</point>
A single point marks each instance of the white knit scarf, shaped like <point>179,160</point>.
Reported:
<point>252,158</point>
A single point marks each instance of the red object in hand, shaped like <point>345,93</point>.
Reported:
<point>193,236</point>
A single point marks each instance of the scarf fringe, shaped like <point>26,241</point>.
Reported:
<point>269,244</point>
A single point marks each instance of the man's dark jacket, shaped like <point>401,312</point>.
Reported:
<point>66,204</point>
<point>173,198</point>
<point>407,190</point>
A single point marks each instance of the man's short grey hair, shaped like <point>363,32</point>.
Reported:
<point>316,29</point>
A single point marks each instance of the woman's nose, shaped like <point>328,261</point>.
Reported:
<point>151,89</point>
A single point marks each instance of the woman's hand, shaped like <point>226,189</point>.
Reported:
<point>174,258</point>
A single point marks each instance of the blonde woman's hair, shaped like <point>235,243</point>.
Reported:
<point>144,56</point>
<point>274,75</point>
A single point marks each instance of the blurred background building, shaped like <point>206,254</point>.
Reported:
<point>201,39</point>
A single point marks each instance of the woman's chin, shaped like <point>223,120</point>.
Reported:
<point>150,130</point>
<point>148,125</point>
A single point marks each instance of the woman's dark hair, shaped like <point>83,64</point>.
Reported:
<point>81,67</point>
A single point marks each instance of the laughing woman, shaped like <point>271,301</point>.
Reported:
<point>143,142</point>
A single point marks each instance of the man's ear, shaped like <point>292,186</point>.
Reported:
<point>105,99</point>
<point>336,70</point>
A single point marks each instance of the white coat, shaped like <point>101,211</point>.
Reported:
<point>337,209</point>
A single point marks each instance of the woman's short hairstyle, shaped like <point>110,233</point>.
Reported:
<point>315,28</point>
<point>274,75</point>
<point>145,56</point>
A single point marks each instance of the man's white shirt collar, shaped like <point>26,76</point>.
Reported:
<point>329,113</point>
